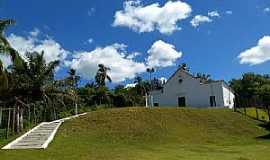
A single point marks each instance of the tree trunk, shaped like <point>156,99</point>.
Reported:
<point>76,108</point>
<point>8,125</point>
<point>13,120</point>
<point>146,100</point>
<point>1,113</point>
<point>35,117</point>
<point>21,119</point>
<point>245,108</point>
<point>234,107</point>
<point>29,114</point>
<point>18,119</point>
<point>257,113</point>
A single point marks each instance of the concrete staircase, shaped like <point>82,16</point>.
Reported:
<point>38,137</point>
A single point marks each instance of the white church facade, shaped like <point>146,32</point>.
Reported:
<point>183,89</point>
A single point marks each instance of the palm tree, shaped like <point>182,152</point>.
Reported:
<point>73,80</point>
<point>102,75</point>
<point>4,44</point>
<point>4,48</point>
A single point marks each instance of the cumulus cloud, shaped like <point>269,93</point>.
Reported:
<point>200,19</point>
<point>152,17</point>
<point>213,14</point>
<point>113,56</point>
<point>52,49</point>
<point>162,54</point>
<point>258,54</point>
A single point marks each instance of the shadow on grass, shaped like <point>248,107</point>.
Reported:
<point>267,127</point>
<point>254,118</point>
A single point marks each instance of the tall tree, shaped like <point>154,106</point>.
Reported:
<point>73,80</point>
<point>102,75</point>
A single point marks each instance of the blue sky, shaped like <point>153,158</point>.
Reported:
<point>211,47</point>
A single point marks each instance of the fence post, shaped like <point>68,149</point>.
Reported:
<point>13,121</point>
<point>18,118</point>
<point>8,125</point>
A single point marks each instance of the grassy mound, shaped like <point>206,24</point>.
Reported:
<point>165,125</point>
<point>139,133</point>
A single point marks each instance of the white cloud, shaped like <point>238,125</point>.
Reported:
<point>213,14</point>
<point>152,17</point>
<point>113,56</point>
<point>162,54</point>
<point>199,19</point>
<point>229,12</point>
<point>258,54</point>
<point>130,85</point>
<point>52,49</point>
<point>133,55</point>
<point>266,9</point>
<point>6,60</point>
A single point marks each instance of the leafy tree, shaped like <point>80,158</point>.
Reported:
<point>252,91</point>
<point>264,93</point>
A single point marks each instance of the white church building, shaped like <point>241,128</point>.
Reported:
<point>183,89</point>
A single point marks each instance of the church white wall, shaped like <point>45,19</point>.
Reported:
<point>196,94</point>
<point>229,97</point>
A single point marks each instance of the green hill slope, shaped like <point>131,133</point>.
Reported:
<point>139,133</point>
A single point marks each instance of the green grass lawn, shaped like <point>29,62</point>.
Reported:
<point>155,134</point>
